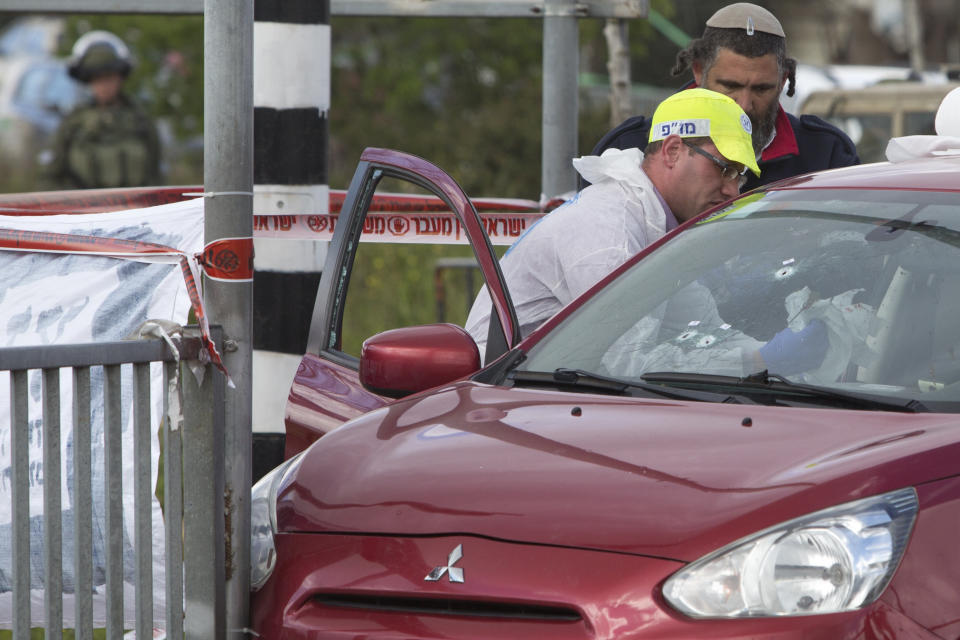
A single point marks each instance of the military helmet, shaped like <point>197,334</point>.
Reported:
<point>97,53</point>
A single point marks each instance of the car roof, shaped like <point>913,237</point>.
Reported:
<point>938,173</point>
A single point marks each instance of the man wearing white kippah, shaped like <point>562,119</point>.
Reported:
<point>742,54</point>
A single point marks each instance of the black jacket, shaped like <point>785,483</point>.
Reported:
<point>801,145</point>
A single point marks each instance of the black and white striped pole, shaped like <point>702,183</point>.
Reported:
<point>291,84</point>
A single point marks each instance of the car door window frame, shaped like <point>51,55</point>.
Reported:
<point>375,164</point>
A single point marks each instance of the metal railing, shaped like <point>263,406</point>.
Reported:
<point>192,504</point>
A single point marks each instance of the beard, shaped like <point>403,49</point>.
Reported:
<point>763,126</point>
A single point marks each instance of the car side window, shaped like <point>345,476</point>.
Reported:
<point>398,284</point>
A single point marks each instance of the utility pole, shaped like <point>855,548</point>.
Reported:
<point>913,24</point>
<point>561,69</point>
<point>616,33</point>
<point>228,188</point>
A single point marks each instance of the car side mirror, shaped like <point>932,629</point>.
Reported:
<point>399,362</point>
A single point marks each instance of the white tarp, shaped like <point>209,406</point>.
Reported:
<point>50,298</point>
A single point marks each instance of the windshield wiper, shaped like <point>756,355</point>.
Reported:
<point>766,382</point>
<point>589,381</point>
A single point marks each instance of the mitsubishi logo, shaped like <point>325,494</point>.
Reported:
<point>455,574</point>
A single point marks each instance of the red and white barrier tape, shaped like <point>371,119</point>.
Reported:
<point>229,259</point>
<point>103,200</point>
<point>224,259</point>
<point>392,217</point>
<point>409,228</point>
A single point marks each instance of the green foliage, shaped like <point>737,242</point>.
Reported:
<point>464,94</point>
<point>393,286</point>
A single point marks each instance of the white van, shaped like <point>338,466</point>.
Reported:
<point>872,115</point>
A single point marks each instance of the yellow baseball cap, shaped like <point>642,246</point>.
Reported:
<point>701,113</point>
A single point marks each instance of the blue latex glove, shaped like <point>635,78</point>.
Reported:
<point>791,352</point>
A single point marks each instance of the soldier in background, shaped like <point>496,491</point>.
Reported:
<point>109,141</point>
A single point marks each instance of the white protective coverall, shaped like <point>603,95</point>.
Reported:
<point>572,248</point>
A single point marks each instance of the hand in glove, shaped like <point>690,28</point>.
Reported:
<point>791,352</point>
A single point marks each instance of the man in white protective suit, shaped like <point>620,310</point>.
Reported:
<point>699,151</point>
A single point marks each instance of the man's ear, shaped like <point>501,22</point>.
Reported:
<point>671,149</point>
<point>697,70</point>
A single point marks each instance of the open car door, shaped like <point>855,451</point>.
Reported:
<point>326,390</point>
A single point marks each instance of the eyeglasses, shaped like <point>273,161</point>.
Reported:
<point>728,170</point>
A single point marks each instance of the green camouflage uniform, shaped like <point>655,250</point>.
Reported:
<point>115,146</point>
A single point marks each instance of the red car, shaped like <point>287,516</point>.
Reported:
<point>747,431</point>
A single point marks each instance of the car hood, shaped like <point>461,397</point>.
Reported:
<point>660,478</point>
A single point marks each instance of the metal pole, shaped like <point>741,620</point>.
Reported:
<point>617,36</point>
<point>561,64</point>
<point>203,522</point>
<point>914,27</point>
<point>228,183</point>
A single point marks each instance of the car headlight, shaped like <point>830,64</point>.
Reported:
<point>838,559</point>
<point>263,522</point>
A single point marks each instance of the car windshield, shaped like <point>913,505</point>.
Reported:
<point>850,290</point>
